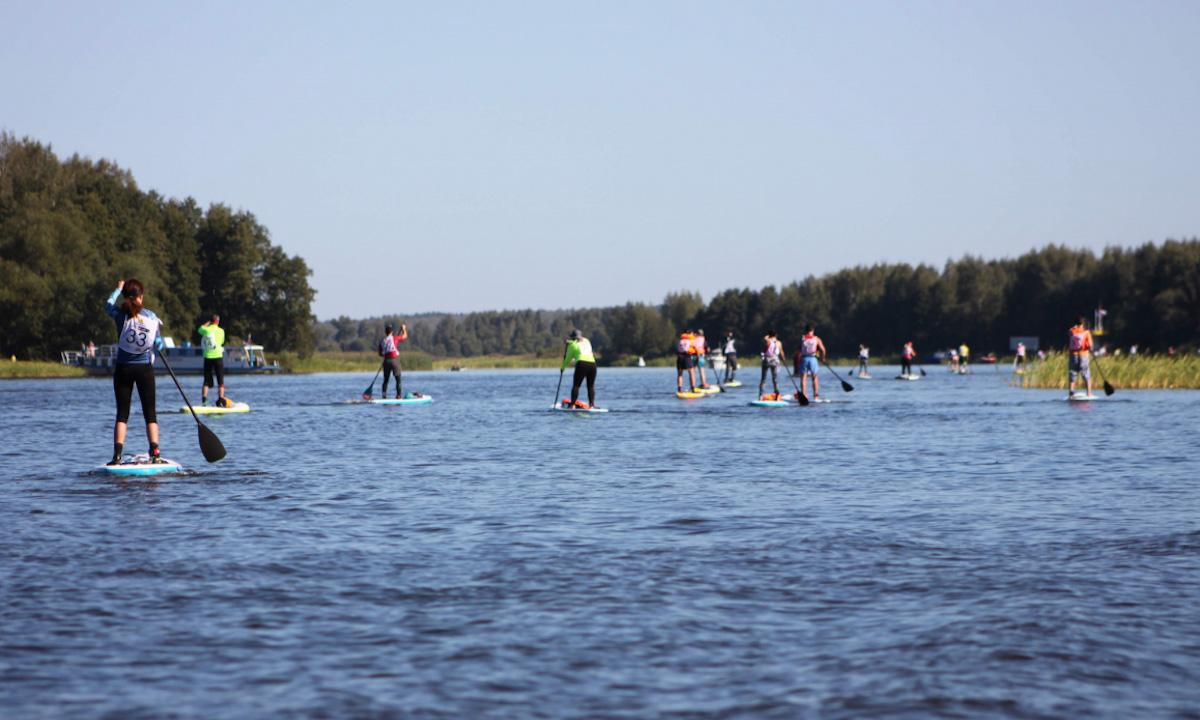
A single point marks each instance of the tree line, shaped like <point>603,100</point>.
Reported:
<point>1151,295</point>
<point>70,229</point>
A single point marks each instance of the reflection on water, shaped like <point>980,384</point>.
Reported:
<point>944,548</point>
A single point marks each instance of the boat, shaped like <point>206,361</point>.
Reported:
<point>239,360</point>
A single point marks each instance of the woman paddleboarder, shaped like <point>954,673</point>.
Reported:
<point>139,337</point>
<point>579,351</point>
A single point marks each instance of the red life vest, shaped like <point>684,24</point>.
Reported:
<point>1081,341</point>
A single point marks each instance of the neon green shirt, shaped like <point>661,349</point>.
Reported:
<point>580,350</point>
<point>212,339</point>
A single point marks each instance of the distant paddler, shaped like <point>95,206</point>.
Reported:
<point>212,339</point>
<point>906,357</point>
<point>771,355</point>
<point>391,356</point>
<point>579,351</point>
<point>700,346</point>
<point>964,355</point>
<point>864,354</point>
<point>1019,362</point>
<point>731,365</point>
<point>1079,345</point>
<point>811,351</point>
<point>139,336</point>
<point>685,359</point>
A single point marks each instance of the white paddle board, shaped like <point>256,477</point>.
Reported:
<point>406,400</point>
<point>140,465</point>
<point>735,383</point>
<point>237,407</point>
<point>567,408</point>
<point>769,403</point>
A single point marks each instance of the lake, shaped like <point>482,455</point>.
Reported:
<point>951,547</point>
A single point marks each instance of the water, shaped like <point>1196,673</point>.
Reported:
<point>944,548</point>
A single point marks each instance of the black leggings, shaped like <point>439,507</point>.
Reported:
<point>214,366</point>
<point>905,366</point>
<point>125,376</point>
<point>584,371</point>
<point>391,366</point>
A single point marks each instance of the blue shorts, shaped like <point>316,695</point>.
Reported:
<point>808,365</point>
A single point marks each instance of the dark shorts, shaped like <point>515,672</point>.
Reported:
<point>685,361</point>
<point>214,366</point>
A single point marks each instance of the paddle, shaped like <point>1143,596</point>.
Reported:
<point>799,395</point>
<point>845,385</point>
<point>1108,388</point>
<point>922,371</point>
<point>716,375</point>
<point>210,445</point>
<point>371,388</point>
<point>560,375</point>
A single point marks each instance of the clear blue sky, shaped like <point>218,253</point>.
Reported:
<point>441,156</point>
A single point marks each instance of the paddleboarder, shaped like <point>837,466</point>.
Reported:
<point>906,358</point>
<point>139,336</point>
<point>731,365</point>
<point>811,351</point>
<point>864,353</point>
<point>1079,345</point>
<point>964,355</point>
<point>579,351</point>
<point>700,350</point>
<point>771,355</point>
<point>685,359</point>
<point>212,339</point>
<point>1019,363</point>
<point>391,356</point>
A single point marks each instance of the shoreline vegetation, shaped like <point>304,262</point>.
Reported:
<point>1156,372</point>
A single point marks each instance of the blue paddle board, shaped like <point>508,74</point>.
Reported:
<point>769,403</point>
<point>1081,398</point>
<point>410,399</point>
<point>140,465</point>
<point>569,409</point>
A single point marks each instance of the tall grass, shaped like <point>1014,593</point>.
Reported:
<point>1143,373</point>
<point>38,369</point>
<point>482,362</point>
<point>349,362</point>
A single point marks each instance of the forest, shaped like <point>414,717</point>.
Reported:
<point>1151,295</point>
<point>70,229</point>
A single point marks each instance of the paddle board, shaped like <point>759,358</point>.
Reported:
<point>139,465</point>
<point>735,383</point>
<point>864,377</point>
<point>769,403</point>
<point>709,390</point>
<point>819,400</point>
<point>908,377</point>
<point>1081,398</point>
<point>689,395</point>
<point>567,408</point>
<point>237,407</point>
<point>410,399</point>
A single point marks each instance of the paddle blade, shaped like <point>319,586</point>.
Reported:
<point>1108,388</point>
<point>210,445</point>
<point>922,371</point>
<point>802,398</point>
<point>847,386</point>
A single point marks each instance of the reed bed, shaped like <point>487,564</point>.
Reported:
<point>349,362</point>
<point>1156,372</point>
<point>14,369</point>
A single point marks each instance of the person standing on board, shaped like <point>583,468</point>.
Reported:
<point>771,356</point>
<point>964,354</point>
<point>731,365</point>
<point>212,339</point>
<point>391,356</point>
<point>906,357</point>
<point>811,350</point>
<point>685,359</point>
<point>139,337</point>
<point>953,360</point>
<point>1079,345</point>
<point>700,346</point>
<point>1019,363</point>
<point>579,351</point>
<point>864,352</point>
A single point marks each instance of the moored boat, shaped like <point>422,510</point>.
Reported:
<point>239,360</point>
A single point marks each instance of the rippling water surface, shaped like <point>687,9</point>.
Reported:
<point>945,548</point>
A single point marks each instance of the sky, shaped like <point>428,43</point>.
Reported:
<point>456,157</point>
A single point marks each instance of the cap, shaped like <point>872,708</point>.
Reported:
<point>576,335</point>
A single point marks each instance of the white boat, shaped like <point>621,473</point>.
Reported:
<point>239,360</point>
